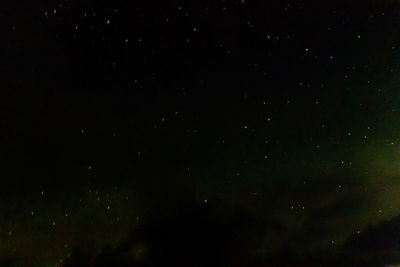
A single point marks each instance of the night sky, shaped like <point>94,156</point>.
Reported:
<point>199,133</point>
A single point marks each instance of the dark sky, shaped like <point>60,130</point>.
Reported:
<point>199,133</point>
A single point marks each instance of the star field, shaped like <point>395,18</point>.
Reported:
<point>210,133</point>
